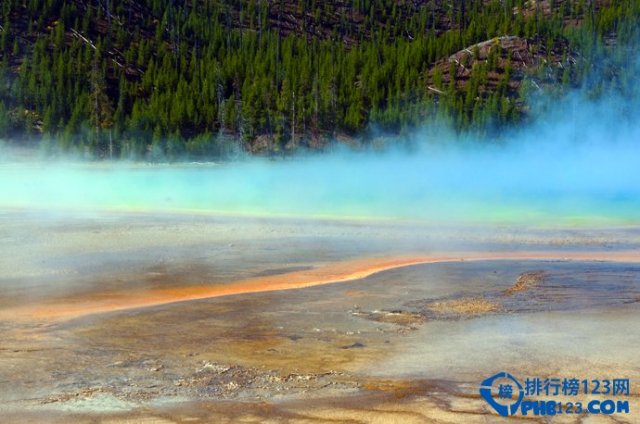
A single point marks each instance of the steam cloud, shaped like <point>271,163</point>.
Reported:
<point>578,163</point>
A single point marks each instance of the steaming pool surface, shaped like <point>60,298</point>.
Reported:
<point>541,185</point>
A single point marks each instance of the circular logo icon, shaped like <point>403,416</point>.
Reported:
<point>503,392</point>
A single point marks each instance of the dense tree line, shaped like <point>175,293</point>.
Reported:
<point>124,78</point>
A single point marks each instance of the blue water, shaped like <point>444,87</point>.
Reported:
<point>537,184</point>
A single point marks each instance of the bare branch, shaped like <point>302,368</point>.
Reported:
<point>83,38</point>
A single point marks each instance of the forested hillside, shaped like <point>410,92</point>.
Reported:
<point>204,78</point>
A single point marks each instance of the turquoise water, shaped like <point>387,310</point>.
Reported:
<point>587,184</point>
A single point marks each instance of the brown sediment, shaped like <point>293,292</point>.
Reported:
<point>465,306</point>
<point>72,307</point>
<point>526,281</point>
<point>397,317</point>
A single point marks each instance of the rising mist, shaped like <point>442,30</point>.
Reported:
<point>577,164</point>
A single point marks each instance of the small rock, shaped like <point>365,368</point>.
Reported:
<point>355,345</point>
